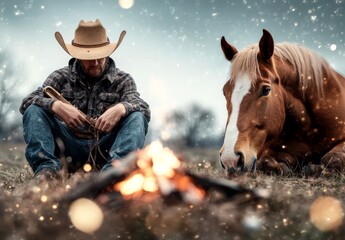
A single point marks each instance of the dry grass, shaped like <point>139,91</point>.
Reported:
<point>285,215</point>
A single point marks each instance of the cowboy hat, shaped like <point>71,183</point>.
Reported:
<point>90,41</point>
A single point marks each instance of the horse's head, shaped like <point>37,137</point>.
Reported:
<point>254,103</point>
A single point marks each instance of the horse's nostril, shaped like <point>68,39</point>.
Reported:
<point>231,171</point>
<point>239,162</point>
<point>221,163</point>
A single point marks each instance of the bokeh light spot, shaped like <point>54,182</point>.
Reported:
<point>126,4</point>
<point>326,213</point>
<point>87,167</point>
<point>86,215</point>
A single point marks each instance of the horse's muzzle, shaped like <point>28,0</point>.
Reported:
<point>237,164</point>
<point>240,168</point>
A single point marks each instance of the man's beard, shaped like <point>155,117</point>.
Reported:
<point>94,71</point>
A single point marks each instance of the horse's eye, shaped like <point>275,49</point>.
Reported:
<point>265,90</point>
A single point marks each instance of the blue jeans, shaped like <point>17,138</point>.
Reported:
<point>48,140</point>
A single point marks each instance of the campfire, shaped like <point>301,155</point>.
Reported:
<point>147,176</point>
<point>159,170</point>
<point>156,169</point>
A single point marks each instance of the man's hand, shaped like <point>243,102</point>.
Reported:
<point>108,120</point>
<point>68,113</point>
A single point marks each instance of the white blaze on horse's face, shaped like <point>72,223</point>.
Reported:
<point>230,158</point>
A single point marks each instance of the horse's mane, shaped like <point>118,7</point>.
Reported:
<point>307,63</point>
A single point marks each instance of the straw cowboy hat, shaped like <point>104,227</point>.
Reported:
<point>90,41</point>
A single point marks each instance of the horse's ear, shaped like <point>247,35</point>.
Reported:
<point>228,50</point>
<point>266,45</point>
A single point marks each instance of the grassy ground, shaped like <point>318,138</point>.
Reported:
<point>34,211</point>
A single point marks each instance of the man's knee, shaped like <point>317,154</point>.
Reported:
<point>34,111</point>
<point>137,116</point>
<point>36,114</point>
<point>137,119</point>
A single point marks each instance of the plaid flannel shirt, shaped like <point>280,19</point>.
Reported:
<point>114,87</point>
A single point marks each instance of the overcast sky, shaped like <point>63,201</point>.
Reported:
<point>172,46</point>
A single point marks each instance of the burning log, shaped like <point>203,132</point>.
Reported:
<point>225,186</point>
<point>97,184</point>
<point>155,170</point>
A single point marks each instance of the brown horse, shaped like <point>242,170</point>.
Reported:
<point>286,109</point>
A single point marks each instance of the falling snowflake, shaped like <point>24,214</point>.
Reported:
<point>333,47</point>
<point>313,18</point>
<point>18,12</point>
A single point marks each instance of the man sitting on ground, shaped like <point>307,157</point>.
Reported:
<point>104,111</point>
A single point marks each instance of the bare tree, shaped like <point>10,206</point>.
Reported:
<point>8,98</point>
<point>192,126</point>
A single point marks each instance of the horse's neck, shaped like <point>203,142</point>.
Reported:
<point>308,110</point>
<point>334,77</point>
<point>297,115</point>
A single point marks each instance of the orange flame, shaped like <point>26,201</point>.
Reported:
<point>159,171</point>
<point>134,183</point>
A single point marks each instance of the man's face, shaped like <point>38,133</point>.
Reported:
<point>94,68</point>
